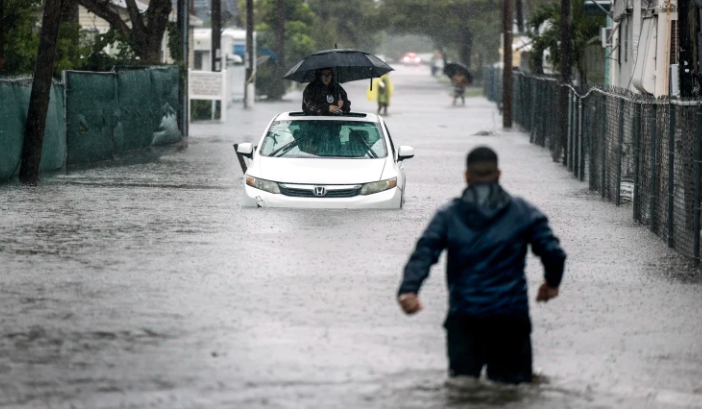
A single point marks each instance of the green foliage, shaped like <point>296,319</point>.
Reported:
<point>21,35</point>
<point>546,18</point>
<point>454,25</point>
<point>100,60</point>
<point>21,26</point>
<point>348,24</point>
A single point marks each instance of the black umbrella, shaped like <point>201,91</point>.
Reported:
<point>348,65</point>
<point>454,68</point>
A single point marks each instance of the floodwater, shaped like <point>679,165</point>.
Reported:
<point>143,283</point>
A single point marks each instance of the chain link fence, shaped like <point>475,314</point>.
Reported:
<point>631,149</point>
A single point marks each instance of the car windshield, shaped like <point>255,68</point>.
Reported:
<point>324,139</point>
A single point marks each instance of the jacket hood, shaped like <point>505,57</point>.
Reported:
<point>483,203</point>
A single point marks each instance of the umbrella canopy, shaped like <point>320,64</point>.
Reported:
<point>349,65</point>
<point>454,68</point>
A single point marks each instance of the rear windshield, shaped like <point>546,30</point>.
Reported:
<point>324,139</point>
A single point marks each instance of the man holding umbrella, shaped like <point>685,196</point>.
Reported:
<point>325,96</point>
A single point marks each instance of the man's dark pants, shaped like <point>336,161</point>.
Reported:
<point>503,343</point>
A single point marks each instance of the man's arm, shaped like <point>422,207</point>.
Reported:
<point>427,252</point>
<point>546,246</point>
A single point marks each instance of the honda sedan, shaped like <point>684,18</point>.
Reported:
<point>341,161</point>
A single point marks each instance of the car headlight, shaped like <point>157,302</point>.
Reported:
<point>380,186</point>
<point>263,184</point>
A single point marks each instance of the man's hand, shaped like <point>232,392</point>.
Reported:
<point>546,293</point>
<point>334,109</point>
<point>410,303</point>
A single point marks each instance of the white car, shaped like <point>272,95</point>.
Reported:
<point>340,161</point>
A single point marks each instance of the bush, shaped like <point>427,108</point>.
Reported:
<point>201,110</point>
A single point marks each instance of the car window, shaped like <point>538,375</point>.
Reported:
<point>324,139</point>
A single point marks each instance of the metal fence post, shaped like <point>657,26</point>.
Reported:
<point>653,223</point>
<point>620,146</point>
<point>637,159</point>
<point>570,131</point>
<point>698,188</point>
<point>532,109</point>
<point>603,176</point>
<point>671,177</point>
<point>578,163</point>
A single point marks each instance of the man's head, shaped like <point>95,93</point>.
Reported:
<point>482,166</point>
<point>326,75</point>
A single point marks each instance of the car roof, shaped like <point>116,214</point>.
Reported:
<point>352,116</point>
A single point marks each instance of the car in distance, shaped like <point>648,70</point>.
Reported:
<point>339,161</point>
<point>411,59</point>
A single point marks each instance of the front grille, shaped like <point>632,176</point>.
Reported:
<point>342,193</point>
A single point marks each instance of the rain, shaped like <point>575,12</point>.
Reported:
<point>138,271</point>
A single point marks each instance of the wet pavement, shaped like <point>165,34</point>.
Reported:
<point>144,284</point>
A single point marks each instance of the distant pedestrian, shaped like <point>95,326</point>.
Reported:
<point>381,91</point>
<point>324,96</point>
<point>460,82</point>
<point>487,233</point>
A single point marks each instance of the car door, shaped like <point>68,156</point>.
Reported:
<point>399,165</point>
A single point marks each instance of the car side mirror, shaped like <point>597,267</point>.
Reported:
<point>245,149</point>
<point>405,152</point>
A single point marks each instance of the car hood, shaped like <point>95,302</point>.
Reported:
<point>319,171</point>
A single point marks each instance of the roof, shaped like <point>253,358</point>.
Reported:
<point>353,116</point>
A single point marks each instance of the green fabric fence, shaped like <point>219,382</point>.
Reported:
<point>14,104</point>
<point>92,116</point>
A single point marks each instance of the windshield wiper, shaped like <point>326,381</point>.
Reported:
<point>290,144</point>
<point>375,155</point>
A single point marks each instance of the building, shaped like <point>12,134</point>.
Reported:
<point>91,22</point>
<point>642,46</point>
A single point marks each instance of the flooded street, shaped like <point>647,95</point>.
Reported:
<point>143,283</point>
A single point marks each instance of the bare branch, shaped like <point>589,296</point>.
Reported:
<point>102,9</point>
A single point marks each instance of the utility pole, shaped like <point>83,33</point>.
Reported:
<point>216,35</point>
<point>183,23</point>
<point>564,94</point>
<point>41,90</point>
<point>2,36</point>
<point>280,42</point>
<point>685,49</point>
<point>250,63</point>
<point>520,16</point>
<point>507,22</point>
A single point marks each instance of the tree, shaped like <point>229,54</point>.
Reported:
<point>20,26</point>
<point>296,41</point>
<point>545,24</point>
<point>453,24</point>
<point>147,29</point>
<point>350,24</point>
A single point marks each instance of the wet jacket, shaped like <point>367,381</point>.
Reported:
<point>317,98</point>
<point>487,233</point>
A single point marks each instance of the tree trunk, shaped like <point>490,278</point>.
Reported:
<point>41,89</point>
<point>70,12</point>
<point>465,49</point>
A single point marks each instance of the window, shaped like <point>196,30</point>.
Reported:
<point>324,139</point>
<point>392,145</point>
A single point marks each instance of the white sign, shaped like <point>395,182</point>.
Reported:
<point>206,85</point>
<point>211,86</point>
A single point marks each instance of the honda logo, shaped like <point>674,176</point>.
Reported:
<point>320,191</point>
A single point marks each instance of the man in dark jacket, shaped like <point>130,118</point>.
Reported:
<point>487,233</point>
<point>324,96</point>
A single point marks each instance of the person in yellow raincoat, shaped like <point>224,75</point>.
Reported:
<point>381,91</point>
